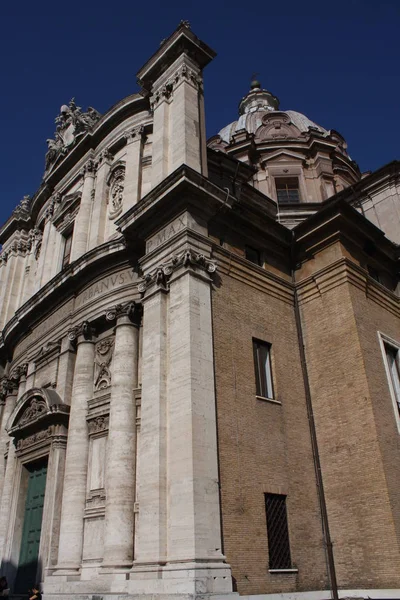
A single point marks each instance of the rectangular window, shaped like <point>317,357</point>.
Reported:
<point>392,357</point>
<point>262,364</point>
<point>287,190</point>
<point>277,531</point>
<point>67,250</point>
<point>253,255</point>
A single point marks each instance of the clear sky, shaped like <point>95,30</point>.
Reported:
<point>337,62</point>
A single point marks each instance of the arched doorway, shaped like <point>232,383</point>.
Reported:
<point>39,425</point>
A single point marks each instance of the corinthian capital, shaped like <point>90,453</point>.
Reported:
<point>7,386</point>
<point>18,372</point>
<point>89,168</point>
<point>84,330</point>
<point>134,134</point>
<point>130,309</point>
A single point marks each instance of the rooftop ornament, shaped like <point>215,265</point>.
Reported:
<point>71,124</point>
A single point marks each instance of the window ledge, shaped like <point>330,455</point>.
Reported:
<point>283,571</point>
<point>272,400</point>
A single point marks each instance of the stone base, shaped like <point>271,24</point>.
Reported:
<point>183,581</point>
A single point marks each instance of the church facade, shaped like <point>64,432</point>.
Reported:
<point>199,357</point>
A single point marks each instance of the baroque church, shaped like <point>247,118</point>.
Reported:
<point>199,355</point>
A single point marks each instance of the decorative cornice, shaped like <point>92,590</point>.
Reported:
<point>188,258</point>
<point>131,309</point>
<point>84,329</point>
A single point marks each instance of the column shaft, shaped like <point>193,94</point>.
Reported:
<point>99,211</point>
<point>121,448</point>
<point>133,169</point>
<point>152,467</point>
<point>74,493</point>
<point>7,479</point>
<point>9,405</point>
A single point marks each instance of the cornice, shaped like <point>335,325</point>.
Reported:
<point>62,287</point>
<point>341,272</point>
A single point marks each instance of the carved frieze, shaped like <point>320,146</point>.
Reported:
<point>35,409</point>
<point>71,125</point>
<point>102,363</point>
<point>98,424</point>
<point>187,258</point>
<point>34,439</point>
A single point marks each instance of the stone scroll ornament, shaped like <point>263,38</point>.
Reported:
<point>83,329</point>
<point>71,125</point>
<point>131,309</point>
<point>102,363</point>
<point>187,258</point>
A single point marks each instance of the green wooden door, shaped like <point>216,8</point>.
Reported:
<point>28,558</point>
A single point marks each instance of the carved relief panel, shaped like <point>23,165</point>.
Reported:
<point>103,357</point>
<point>116,184</point>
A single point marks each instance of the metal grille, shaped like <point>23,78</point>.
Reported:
<point>278,534</point>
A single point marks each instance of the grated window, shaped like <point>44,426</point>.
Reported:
<point>278,533</point>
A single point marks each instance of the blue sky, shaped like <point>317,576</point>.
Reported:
<point>338,62</point>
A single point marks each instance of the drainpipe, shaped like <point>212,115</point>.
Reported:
<point>313,435</point>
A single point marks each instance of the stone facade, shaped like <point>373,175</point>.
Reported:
<point>134,287</point>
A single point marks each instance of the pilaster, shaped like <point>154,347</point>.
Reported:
<point>8,396</point>
<point>99,203</point>
<point>133,169</point>
<point>82,221</point>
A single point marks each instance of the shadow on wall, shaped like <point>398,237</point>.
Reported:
<point>22,578</point>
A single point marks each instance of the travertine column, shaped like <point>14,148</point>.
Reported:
<point>8,398</point>
<point>7,477</point>
<point>134,149</point>
<point>161,136</point>
<point>74,493</point>
<point>152,468</point>
<point>82,221</point>
<point>99,209</point>
<point>121,445</point>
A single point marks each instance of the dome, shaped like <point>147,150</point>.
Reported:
<point>255,106</point>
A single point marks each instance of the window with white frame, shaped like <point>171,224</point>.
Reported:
<point>391,354</point>
<point>263,372</point>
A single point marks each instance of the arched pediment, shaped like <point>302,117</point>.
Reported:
<point>36,409</point>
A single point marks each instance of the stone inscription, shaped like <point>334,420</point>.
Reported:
<point>105,285</point>
<point>167,232</point>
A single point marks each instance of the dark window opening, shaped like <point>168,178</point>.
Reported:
<point>392,356</point>
<point>67,250</point>
<point>287,190</point>
<point>262,364</point>
<point>253,255</point>
<point>278,532</point>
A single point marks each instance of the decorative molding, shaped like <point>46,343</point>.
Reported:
<point>71,124</point>
<point>23,210</point>
<point>103,157</point>
<point>98,424</point>
<point>83,329</point>
<point>188,258</point>
<point>23,443</point>
<point>165,91</point>
<point>116,192</point>
<point>131,309</point>
<point>47,349</point>
<point>102,361</point>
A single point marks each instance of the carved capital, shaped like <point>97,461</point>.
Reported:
<point>131,309</point>
<point>88,169</point>
<point>188,258</point>
<point>84,330</point>
<point>18,372</point>
<point>134,134</point>
<point>8,385</point>
<point>105,156</point>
